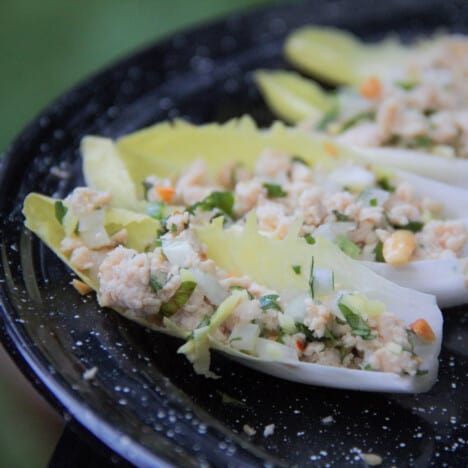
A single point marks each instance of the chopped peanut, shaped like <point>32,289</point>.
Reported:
<point>371,88</point>
<point>166,194</point>
<point>399,247</point>
<point>423,330</point>
<point>81,287</point>
<point>330,148</point>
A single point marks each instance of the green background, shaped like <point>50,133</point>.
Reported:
<point>46,46</point>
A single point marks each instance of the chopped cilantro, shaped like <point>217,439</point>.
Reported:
<point>223,201</point>
<point>420,141</point>
<point>205,322</point>
<point>300,160</point>
<point>274,190</point>
<point>269,301</point>
<point>356,322</point>
<point>309,239</point>
<point>378,252</point>
<point>309,334</point>
<point>60,211</point>
<point>385,184</point>
<point>329,335</point>
<point>367,367</point>
<point>340,216</point>
<point>421,372</point>
<point>373,202</point>
<point>328,118</point>
<point>158,243</point>
<point>173,228</point>
<point>296,269</point>
<point>180,298</point>
<point>156,286</point>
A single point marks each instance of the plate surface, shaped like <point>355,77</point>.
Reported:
<point>145,402</point>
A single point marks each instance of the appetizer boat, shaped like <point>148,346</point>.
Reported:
<point>306,313</point>
<point>415,103</point>
<point>402,225</point>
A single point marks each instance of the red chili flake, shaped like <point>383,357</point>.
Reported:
<point>300,346</point>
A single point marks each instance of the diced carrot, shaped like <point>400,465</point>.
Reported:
<point>300,346</point>
<point>423,330</point>
<point>166,194</point>
<point>81,287</point>
<point>371,88</point>
<point>330,148</point>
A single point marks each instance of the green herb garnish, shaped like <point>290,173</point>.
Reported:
<point>366,115</point>
<point>296,269</point>
<point>340,216</point>
<point>274,190</point>
<point>420,372</point>
<point>328,118</point>
<point>269,301</point>
<point>241,288</point>
<point>309,334</point>
<point>60,211</point>
<point>300,160</point>
<point>223,201</point>
<point>373,202</point>
<point>348,247</point>
<point>179,299</point>
<point>385,184</point>
<point>406,85</point>
<point>378,252</point>
<point>413,226</point>
<point>356,322</point>
<point>146,186</point>
<point>156,286</point>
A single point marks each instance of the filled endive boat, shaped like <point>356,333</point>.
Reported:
<point>408,228</point>
<point>412,106</point>
<point>302,312</point>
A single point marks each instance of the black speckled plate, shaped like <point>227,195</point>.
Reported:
<point>145,402</point>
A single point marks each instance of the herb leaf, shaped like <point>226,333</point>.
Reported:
<point>155,283</point>
<point>340,216</point>
<point>269,301</point>
<point>356,322</point>
<point>328,118</point>
<point>413,226</point>
<point>274,190</point>
<point>385,184</point>
<point>296,269</point>
<point>60,211</point>
<point>309,334</point>
<point>223,201</point>
<point>365,115</point>
<point>300,160</point>
<point>180,298</point>
<point>378,252</point>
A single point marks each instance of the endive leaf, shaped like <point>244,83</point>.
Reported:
<point>39,211</point>
<point>167,149</point>
<point>340,57</point>
<point>248,251</point>
<point>292,97</point>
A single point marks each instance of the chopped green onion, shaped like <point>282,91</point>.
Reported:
<point>309,334</point>
<point>60,211</point>
<point>241,288</point>
<point>420,141</point>
<point>296,269</point>
<point>269,301</point>
<point>311,278</point>
<point>406,85</point>
<point>223,201</point>
<point>373,202</point>
<point>309,239</point>
<point>348,247</point>
<point>179,299</point>
<point>274,190</point>
<point>173,228</point>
